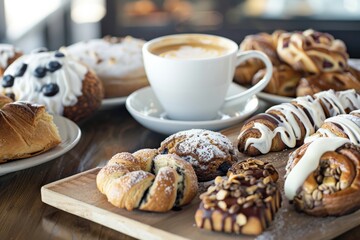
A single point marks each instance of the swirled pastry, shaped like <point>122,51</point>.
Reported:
<point>116,61</point>
<point>338,81</point>
<point>147,181</point>
<point>288,124</point>
<point>240,204</point>
<point>312,52</point>
<point>210,153</point>
<point>344,125</point>
<point>263,42</point>
<point>283,82</point>
<point>8,54</point>
<point>26,130</point>
<point>62,84</point>
<point>323,177</point>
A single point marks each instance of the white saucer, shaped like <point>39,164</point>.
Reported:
<point>146,109</point>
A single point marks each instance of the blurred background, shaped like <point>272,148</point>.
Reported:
<point>55,23</point>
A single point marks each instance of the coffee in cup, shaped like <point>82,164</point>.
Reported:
<point>191,73</point>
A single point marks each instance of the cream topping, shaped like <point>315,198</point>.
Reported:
<point>28,87</point>
<point>7,51</point>
<point>110,58</point>
<point>346,122</point>
<point>308,163</point>
<point>335,103</point>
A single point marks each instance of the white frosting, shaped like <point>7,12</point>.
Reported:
<point>110,59</point>
<point>27,87</point>
<point>7,51</point>
<point>287,126</point>
<point>308,163</point>
<point>348,125</point>
<point>190,52</point>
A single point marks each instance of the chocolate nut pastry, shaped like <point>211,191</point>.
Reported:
<point>255,168</point>
<point>241,204</point>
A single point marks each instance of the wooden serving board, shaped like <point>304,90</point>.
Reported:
<point>78,195</point>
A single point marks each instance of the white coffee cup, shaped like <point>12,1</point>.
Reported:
<point>190,74</point>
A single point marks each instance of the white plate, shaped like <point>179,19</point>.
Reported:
<point>70,135</point>
<point>146,109</point>
<point>112,102</point>
<point>270,98</point>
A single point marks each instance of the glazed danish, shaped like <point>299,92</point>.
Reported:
<point>147,181</point>
<point>288,124</point>
<point>323,175</point>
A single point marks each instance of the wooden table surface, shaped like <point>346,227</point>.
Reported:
<point>25,216</point>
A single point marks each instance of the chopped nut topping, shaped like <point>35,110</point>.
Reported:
<point>241,219</point>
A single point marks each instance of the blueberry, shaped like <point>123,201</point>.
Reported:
<point>39,50</point>
<point>59,54</point>
<point>52,66</point>
<point>50,89</point>
<point>21,70</point>
<point>40,72</point>
<point>8,81</point>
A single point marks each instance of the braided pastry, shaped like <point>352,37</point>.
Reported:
<point>263,42</point>
<point>26,130</point>
<point>323,177</point>
<point>337,81</point>
<point>288,124</point>
<point>210,153</point>
<point>283,82</point>
<point>147,181</point>
<point>312,52</point>
<point>241,204</point>
<point>344,125</point>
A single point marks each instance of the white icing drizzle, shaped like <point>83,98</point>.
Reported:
<point>308,163</point>
<point>287,126</point>
<point>346,122</point>
<point>110,58</point>
<point>27,87</point>
<point>7,51</point>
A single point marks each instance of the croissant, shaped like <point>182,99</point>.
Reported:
<point>283,82</point>
<point>288,124</point>
<point>323,177</point>
<point>26,130</point>
<point>244,203</point>
<point>344,125</point>
<point>147,181</point>
<point>312,52</point>
<point>337,81</point>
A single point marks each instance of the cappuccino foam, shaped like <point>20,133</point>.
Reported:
<point>191,52</point>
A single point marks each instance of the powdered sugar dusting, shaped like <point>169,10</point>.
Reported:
<point>204,144</point>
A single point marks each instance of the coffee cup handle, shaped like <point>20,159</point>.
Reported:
<point>243,56</point>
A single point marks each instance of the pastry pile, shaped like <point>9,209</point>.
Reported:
<point>304,63</point>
